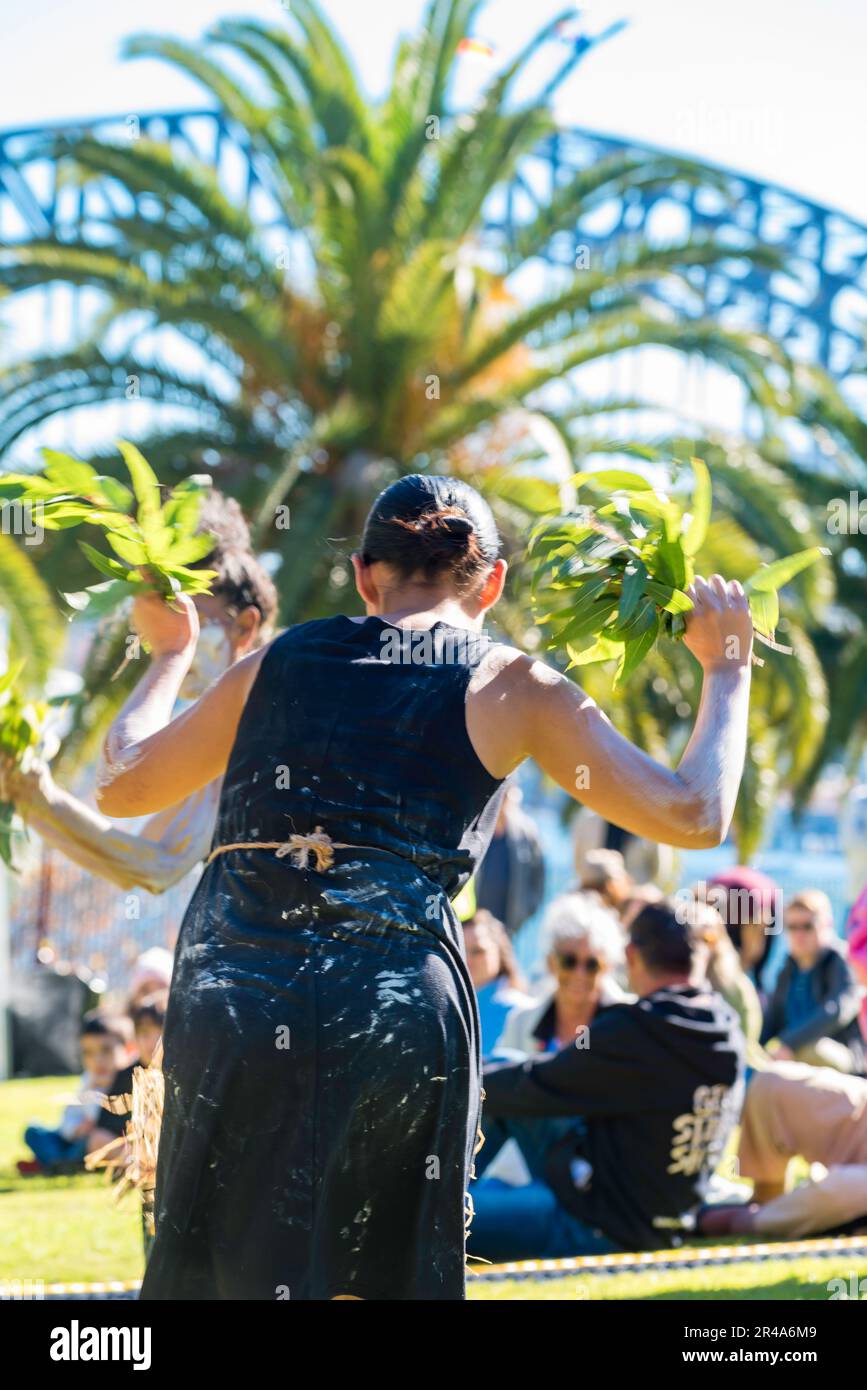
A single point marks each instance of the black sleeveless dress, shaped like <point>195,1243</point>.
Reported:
<point>322,1038</point>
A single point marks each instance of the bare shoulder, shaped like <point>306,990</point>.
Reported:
<point>238,681</point>
<point>499,661</point>
<point>509,693</point>
<point>507,670</point>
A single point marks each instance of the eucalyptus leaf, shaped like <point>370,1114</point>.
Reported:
<point>156,545</point>
<point>119,497</point>
<point>101,599</point>
<point>603,649</point>
<point>103,563</point>
<point>71,474</point>
<point>634,581</point>
<point>765,610</point>
<point>612,478</point>
<point>134,552</point>
<point>145,483</point>
<point>615,577</point>
<point>780,572</point>
<point>636,650</point>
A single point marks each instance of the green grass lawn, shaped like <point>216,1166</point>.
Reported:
<point>70,1229</point>
<point>776,1280</point>
<point>61,1229</point>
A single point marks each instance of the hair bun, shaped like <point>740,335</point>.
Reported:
<point>436,526</point>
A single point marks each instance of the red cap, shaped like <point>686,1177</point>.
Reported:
<point>762,890</point>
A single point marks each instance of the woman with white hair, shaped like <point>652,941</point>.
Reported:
<point>584,948</point>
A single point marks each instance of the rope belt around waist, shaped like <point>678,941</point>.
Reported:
<point>298,849</point>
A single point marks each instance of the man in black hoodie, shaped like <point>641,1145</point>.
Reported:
<point>653,1089</point>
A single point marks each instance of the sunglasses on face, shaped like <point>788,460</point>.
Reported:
<point>568,961</point>
<point>800,926</point>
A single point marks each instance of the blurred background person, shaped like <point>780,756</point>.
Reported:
<point>148,1020</point>
<point>498,982</point>
<point>585,946</point>
<point>85,1125</point>
<point>235,619</point>
<point>644,861</point>
<point>749,903</point>
<point>793,1110</point>
<point>718,962</point>
<point>812,1015</point>
<point>151,975</point>
<point>510,881</point>
<point>604,873</point>
<point>622,1132</point>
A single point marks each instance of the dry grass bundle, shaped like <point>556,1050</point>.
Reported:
<point>131,1159</point>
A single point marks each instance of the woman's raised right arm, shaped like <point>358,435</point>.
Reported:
<point>156,858</point>
<point>527,709</point>
<point>151,763</point>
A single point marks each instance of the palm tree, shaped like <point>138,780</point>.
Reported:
<point>384,343</point>
<point>368,335</point>
<point>834,489</point>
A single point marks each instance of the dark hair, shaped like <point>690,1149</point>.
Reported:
<point>434,526</point>
<point>665,943</point>
<point>508,968</point>
<point>150,1010</point>
<point>761,892</point>
<point>242,581</point>
<point>101,1026</point>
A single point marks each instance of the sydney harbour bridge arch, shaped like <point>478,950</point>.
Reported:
<point>816,307</point>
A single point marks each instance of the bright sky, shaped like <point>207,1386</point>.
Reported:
<point>772,87</point>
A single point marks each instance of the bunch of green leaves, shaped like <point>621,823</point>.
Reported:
<point>154,542</point>
<point>22,730</point>
<point>609,579</point>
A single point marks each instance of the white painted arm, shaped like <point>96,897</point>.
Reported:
<point>167,848</point>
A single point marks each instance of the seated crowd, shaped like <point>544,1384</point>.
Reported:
<point>646,1066</point>
<point>652,1064</point>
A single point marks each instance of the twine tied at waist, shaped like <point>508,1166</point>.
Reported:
<point>297,848</point>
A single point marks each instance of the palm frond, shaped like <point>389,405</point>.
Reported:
<point>35,628</point>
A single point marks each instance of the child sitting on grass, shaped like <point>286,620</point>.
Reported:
<point>85,1125</point>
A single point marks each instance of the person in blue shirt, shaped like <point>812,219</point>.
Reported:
<point>812,1015</point>
<point>493,968</point>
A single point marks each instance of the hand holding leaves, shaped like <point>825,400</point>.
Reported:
<point>165,629</point>
<point>154,542</point>
<point>154,545</point>
<point>611,578</point>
